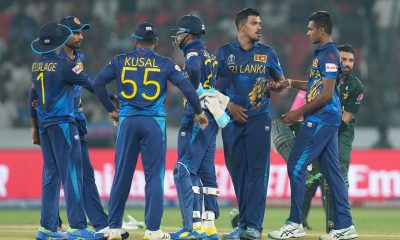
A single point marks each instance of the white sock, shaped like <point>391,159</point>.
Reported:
<point>208,223</point>
<point>196,225</point>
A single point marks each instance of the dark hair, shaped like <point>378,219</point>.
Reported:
<point>346,48</point>
<point>322,19</point>
<point>243,14</point>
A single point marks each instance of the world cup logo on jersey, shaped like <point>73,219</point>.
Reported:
<point>258,94</point>
<point>231,59</point>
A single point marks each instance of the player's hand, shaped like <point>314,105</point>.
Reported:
<point>202,119</point>
<point>114,115</point>
<point>237,112</point>
<point>278,86</point>
<point>35,104</point>
<point>35,136</point>
<point>292,116</point>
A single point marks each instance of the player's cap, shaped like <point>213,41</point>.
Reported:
<point>145,31</point>
<point>74,24</point>
<point>51,37</point>
<point>190,24</point>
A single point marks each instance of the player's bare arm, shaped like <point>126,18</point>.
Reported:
<point>325,96</point>
<point>347,116</point>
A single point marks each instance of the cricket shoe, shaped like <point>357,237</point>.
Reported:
<point>85,234</point>
<point>156,235</point>
<point>197,233</point>
<point>234,235</point>
<point>345,233</point>
<point>117,234</point>
<point>211,233</point>
<point>251,234</point>
<point>44,234</point>
<point>289,230</point>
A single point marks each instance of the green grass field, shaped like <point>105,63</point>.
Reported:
<point>370,223</point>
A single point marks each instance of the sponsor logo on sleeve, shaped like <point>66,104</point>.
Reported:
<point>260,58</point>
<point>191,54</point>
<point>78,68</point>
<point>331,67</point>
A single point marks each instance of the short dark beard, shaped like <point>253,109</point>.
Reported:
<point>72,47</point>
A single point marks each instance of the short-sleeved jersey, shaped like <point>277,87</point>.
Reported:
<point>351,92</point>
<point>249,72</point>
<point>79,59</point>
<point>141,81</point>
<point>53,78</point>
<point>208,71</point>
<point>326,64</point>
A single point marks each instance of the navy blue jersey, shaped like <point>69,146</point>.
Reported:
<point>53,78</point>
<point>200,69</point>
<point>326,64</point>
<point>141,82</point>
<point>243,75</point>
<point>78,60</point>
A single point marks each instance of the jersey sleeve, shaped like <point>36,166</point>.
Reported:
<point>175,74</point>
<point>224,77</point>
<point>274,66</point>
<point>356,96</point>
<point>329,64</point>
<point>193,68</point>
<point>74,74</point>
<point>105,76</point>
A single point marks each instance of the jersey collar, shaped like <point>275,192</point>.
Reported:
<point>195,44</point>
<point>323,47</point>
<point>237,45</point>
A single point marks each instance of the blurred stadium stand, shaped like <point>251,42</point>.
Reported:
<point>371,26</point>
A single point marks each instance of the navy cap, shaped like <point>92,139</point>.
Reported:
<point>74,24</point>
<point>145,31</point>
<point>51,37</point>
<point>190,24</point>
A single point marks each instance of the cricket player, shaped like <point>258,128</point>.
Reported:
<point>141,78</point>
<point>351,92</point>
<point>245,66</point>
<point>194,173</point>
<point>317,137</point>
<point>53,78</point>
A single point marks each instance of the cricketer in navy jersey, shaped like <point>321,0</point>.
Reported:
<point>245,67</point>
<point>53,78</point>
<point>141,80</point>
<point>317,138</point>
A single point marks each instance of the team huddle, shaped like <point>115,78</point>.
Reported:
<point>229,89</point>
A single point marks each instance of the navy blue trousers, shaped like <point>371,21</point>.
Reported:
<point>318,141</point>
<point>62,158</point>
<point>247,156</point>
<point>144,134</point>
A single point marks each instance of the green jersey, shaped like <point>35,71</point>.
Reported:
<point>351,95</point>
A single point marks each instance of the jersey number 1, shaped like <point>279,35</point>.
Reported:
<point>40,78</point>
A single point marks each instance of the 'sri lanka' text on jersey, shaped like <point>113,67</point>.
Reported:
<point>326,64</point>
<point>243,75</point>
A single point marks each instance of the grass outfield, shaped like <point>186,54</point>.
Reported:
<point>370,223</point>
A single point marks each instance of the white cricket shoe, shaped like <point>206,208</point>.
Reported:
<point>117,234</point>
<point>289,230</point>
<point>345,233</point>
<point>156,235</point>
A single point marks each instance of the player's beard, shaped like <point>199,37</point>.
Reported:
<point>72,46</point>
<point>345,74</point>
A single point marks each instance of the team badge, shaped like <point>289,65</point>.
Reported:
<point>76,20</point>
<point>315,63</point>
<point>260,58</point>
<point>78,68</point>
